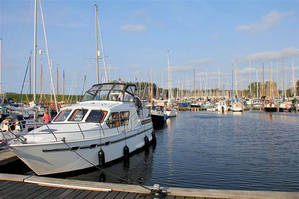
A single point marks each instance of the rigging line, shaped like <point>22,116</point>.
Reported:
<point>48,56</point>
<point>28,64</point>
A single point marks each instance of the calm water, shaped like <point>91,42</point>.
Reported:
<point>253,151</point>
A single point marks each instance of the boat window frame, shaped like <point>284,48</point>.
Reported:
<point>105,113</point>
<point>127,119</point>
<point>74,110</point>
<point>108,122</point>
<point>66,118</point>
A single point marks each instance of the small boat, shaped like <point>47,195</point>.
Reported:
<point>269,107</point>
<point>158,117</point>
<point>171,112</point>
<point>237,107</point>
<point>286,107</point>
<point>108,124</point>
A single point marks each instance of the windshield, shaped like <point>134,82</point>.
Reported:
<point>62,115</point>
<point>111,92</point>
<point>78,115</point>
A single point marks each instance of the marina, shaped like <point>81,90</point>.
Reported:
<point>148,100</point>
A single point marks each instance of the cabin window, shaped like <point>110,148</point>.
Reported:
<point>78,115</point>
<point>62,115</point>
<point>113,120</point>
<point>124,118</point>
<point>96,116</point>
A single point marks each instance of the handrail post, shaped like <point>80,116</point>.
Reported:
<point>52,132</point>
<point>81,131</point>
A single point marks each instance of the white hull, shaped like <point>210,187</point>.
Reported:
<point>237,107</point>
<point>58,157</point>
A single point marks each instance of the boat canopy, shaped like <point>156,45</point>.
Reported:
<point>124,92</point>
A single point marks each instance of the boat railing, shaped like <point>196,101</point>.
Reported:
<point>78,129</point>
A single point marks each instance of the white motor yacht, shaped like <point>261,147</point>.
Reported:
<point>109,120</point>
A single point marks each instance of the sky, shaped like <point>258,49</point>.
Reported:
<point>205,37</point>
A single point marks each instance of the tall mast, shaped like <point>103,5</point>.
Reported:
<point>263,88</point>
<point>236,78</point>
<point>102,47</point>
<point>294,84</point>
<point>232,80</point>
<point>151,86</point>
<point>97,47</point>
<point>34,50</point>
<point>0,66</point>
<point>57,82</point>
<point>250,90</point>
<point>257,84</point>
<point>169,77</point>
<point>63,82</point>
<point>194,82</point>
<point>41,83</point>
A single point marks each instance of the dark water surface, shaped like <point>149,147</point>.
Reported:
<point>250,151</point>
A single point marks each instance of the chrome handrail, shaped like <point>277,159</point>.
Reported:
<point>52,132</point>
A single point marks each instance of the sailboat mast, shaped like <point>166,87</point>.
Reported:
<point>34,50</point>
<point>102,47</point>
<point>194,83</point>
<point>63,82</point>
<point>0,66</point>
<point>169,77</point>
<point>97,47</point>
<point>293,77</point>
<point>41,83</point>
<point>263,88</point>
<point>57,82</point>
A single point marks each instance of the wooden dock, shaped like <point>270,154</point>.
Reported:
<point>21,186</point>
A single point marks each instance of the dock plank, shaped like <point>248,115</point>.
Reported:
<point>38,190</point>
<point>64,193</point>
<point>82,195</point>
<point>112,194</point>
<point>131,196</point>
<point>56,193</point>
<point>19,193</point>
<point>73,193</point>
<point>13,187</point>
<point>92,195</point>
<point>121,195</point>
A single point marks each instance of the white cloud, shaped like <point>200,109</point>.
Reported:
<point>133,28</point>
<point>267,22</point>
<point>274,55</point>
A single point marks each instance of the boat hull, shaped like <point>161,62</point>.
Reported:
<point>270,109</point>
<point>60,157</point>
<point>158,121</point>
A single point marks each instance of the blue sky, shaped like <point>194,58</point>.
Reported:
<point>202,35</point>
